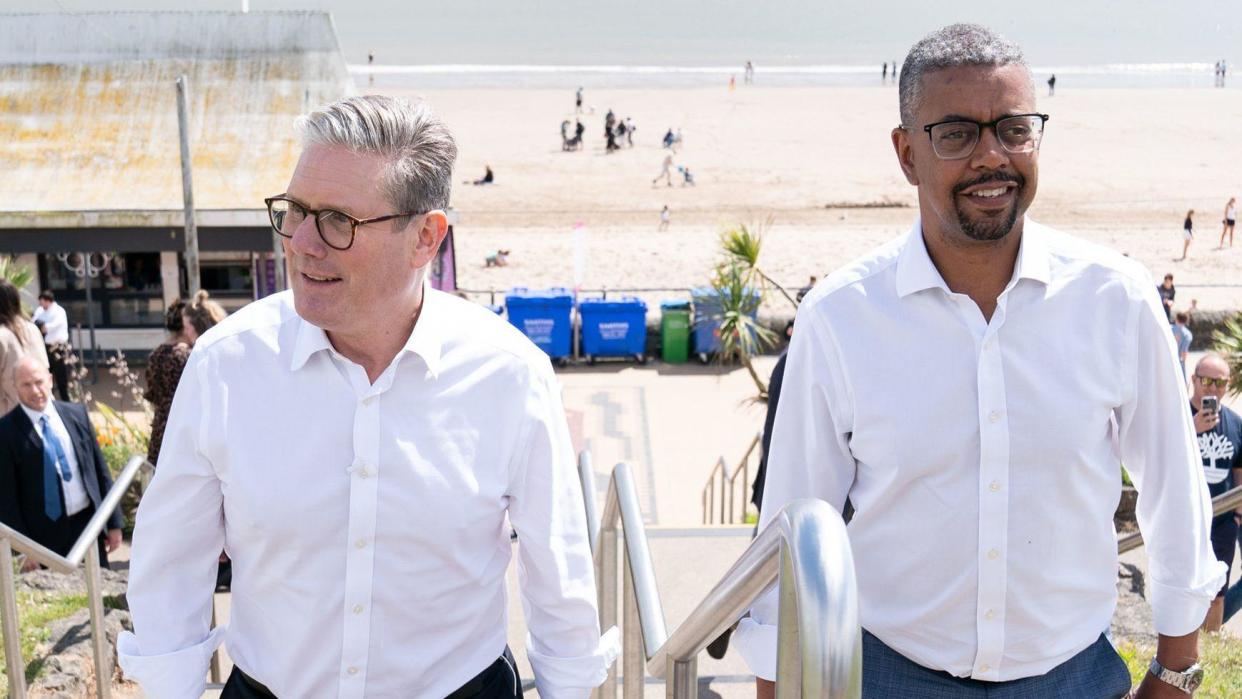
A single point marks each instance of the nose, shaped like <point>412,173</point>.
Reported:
<point>989,153</point>
<point>306,240</point>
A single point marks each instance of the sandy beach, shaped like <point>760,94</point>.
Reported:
<point>1119,167</point>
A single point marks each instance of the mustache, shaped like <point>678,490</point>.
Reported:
<point>991,177</point>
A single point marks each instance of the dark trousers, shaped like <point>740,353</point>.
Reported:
<point>65,532</point>
<point>1095,673</point>
<point>500,680</point>
<point>60,372</point>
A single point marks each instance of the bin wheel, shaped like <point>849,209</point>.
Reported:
<point>562,362</point>
<point>703,357</point>
<point>642,359</point>
<point>590,359</point>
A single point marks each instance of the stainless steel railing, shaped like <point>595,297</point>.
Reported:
<point>804,550</point>
<point>84,549</point>
<point>727,495</point>
<point>1228,500</point>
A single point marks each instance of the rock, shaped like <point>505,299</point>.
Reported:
<point>1132,620</point>
<point>68,660</point>
<point>114,582</point>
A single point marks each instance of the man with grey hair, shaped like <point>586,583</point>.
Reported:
<point>932,383</point>
<point>360,447</point>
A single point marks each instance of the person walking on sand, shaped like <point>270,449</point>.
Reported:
<point>1188,232</point>
<point>665,216</point>
<point>578,101</point>
<point>1052,85</point>
<point>666,171</point>
<point>1231,217</point>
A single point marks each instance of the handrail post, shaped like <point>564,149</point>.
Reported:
<point>606,581</point>
<point>724,488</point>
<point>8,616</point>
<point>214,671</point>
<point>683,681</point>
<point>99,639</point>
<point>586,476</point>
<point>634,654</point>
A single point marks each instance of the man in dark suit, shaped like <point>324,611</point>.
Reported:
<point>52,472</point>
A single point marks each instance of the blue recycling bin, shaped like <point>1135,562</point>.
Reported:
<point>706,321</point>
<point>543,315</point>
<point>614,328</point>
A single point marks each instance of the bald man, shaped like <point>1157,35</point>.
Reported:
<point>52,472</point>
<point>1219,433</point>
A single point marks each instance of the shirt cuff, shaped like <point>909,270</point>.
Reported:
<point>180,674</point>
<point>1176,611</point>
<point>757,644</point>
<point>574,678</point>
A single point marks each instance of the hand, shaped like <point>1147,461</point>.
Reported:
<point>1153,688</point>
<point>1205,420</point>
<point>114,540</point>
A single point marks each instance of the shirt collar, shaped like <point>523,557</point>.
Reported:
<point>425,341</point>
<point>916,272</point>
<point>34,415</point>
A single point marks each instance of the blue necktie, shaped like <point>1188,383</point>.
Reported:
<point>53,456</point>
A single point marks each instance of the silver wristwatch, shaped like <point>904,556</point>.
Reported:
<point>1187,680</point>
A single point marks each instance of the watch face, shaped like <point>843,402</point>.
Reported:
<point>1195,678</point>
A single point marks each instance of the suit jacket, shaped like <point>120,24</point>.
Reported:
<point>21,469</point>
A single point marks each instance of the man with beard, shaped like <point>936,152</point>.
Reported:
<point>932,383</point>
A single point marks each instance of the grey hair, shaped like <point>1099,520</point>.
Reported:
<point>950,47</point>
<point>416,143</point>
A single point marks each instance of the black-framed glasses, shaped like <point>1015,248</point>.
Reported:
<point>336,228</point>
<point>1208,381</point>
<point>954,139</point>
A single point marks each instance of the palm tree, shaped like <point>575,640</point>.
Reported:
<point>19,275</point>
<point>741,335</point>
<point>743,246</point>
<point>1227,340</point>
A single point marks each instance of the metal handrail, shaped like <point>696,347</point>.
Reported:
<point>805,550</point>
<point>1228,500</point>
<point>85,548</point>
<point>728,486</point>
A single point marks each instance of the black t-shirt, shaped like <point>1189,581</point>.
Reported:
<point>1221,450</point>
<point>1167,295</point>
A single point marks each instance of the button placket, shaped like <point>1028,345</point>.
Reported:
<point>360,554</point>
<point>993,501</point>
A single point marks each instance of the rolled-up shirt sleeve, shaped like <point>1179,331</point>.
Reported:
<point>177,541</point>
<point>810,457</point>
<point>555,569</point>
<point>1158,448</point>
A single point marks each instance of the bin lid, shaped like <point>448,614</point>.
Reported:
<point>675,305</point>
<point>623,303</point>
<point>554,297</point>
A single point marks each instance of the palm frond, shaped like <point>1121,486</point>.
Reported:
<point>1227,340</point>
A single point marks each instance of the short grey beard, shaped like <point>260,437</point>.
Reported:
<point>991,233</point>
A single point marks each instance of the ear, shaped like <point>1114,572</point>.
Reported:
<point>905,154</point>
<point>428,237</point>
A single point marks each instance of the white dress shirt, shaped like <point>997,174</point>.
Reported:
<point>983,457</point>
<point>74,490</point>
<point>368,524</point>
<point>55,323</point>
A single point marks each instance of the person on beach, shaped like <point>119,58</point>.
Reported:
<point>578,101</point>
<point>1182,337</point>
<point>1231,217</point>
<point>1218,431</point>
<point>500,258</point>
<point>1052,85</point>
<point>1003,456</point>
<point>669,138</point>
<point>488,177</point>
<point>666,171</point>
<point>665,217</point>
<point>1188,233</point>
<point>749,73</point>
<point>363,445</point>
<point>687,178</point>
<point>1167,293</point>
<point>884,73</point>
<point>610,120</point>
<point>629,132</point>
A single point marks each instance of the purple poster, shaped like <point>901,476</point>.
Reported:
<point>444,268</point>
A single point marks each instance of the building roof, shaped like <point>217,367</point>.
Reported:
<point>88,110</point>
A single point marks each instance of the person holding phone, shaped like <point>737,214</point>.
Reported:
<point>1219,433</point>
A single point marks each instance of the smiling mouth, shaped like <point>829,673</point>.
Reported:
<point>989,193</point>
<point>319,279</point>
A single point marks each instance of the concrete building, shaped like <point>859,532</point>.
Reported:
<point>90,161</point>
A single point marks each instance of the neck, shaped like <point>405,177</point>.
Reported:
<point>981,270</point>
<point>374,347</point>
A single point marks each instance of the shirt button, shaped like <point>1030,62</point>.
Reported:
<point>358,609</point>
<point>989,344</point>
<point>991,614</point>
<point>984,668</point>
<point>368,400</point>
<point>353,670</point>
<point>994,416</point>
<point>993,554</point>
<point>994,486</point>
<point>361,543</point>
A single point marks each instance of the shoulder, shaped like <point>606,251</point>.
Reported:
<point>259,320</point>
<point>853,280</point>
<point>1071,257</point>
<point>468,329</point>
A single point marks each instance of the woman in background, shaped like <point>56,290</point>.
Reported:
<point>18,338</point>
